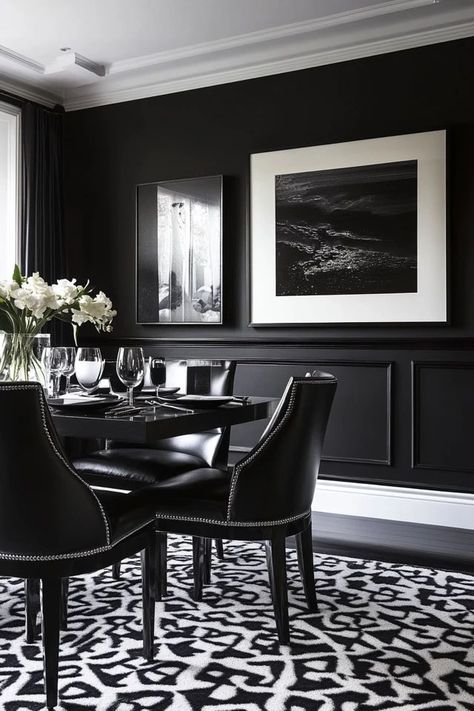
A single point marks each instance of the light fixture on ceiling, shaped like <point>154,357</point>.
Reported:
<point>68,59</point>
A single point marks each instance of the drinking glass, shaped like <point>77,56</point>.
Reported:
<point>69,365</point>
<point>130,369</point>
<point>53,362</point>
<point>89,367</point>
<point>157,373</point>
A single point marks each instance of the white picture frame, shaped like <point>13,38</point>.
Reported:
<point>428,304</point>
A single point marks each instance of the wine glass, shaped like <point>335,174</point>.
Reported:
<point>157,373</point>
<point>69,365</point>
<point>89,367</point>
<point>130,368</point>
<point>53,363</point>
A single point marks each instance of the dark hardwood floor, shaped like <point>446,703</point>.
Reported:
<point>394,541</point>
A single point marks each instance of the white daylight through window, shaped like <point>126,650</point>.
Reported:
<point>9,187</point>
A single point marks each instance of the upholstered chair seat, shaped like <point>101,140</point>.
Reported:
<point>131,468</point>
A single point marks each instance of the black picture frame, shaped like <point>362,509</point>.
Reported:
<point>182,218</point>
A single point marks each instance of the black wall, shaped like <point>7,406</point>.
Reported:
<point>404,409</point>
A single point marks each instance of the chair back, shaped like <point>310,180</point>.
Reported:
<point>47,511</point>
<point>212,446</point>
<point>276,480</point>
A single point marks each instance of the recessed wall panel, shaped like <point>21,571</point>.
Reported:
<point>443,416</point>
<point>359,425</point>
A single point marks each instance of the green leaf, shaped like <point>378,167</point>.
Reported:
<point>5,322</point>
<point>17,275</point>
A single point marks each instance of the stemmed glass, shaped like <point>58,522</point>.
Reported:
<point>69,365</point>
<point>53,363</point>
<point>157,373</point>
<point>130,368</point>
<point>89,367</point>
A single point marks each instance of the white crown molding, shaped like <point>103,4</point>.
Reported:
<point>31,93</point>
<point>130,86</point>
<point>21,60</point>
<point>270,35</point>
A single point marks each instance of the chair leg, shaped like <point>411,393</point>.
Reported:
<point>276,560</point>
<point>32,608</point>
<point>163,570</point>
<point>198,566</point>
<point>207,561</point>
<point>116,570</point>
<point>161,565</point>
<point>64,598</point>
<point>219,548</point>
<point>304,549</point>
<point>51,604</point>
<point>148,559</point>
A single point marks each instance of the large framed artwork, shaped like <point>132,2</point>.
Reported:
<point>350,232</point>
<point>179,251</point>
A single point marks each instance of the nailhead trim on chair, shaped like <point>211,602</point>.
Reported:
<point>61,556</point>
<point>219,522</point>
<point>250,457</point>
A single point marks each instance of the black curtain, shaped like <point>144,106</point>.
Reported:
<point>42,203</point>
<point>42,200</point>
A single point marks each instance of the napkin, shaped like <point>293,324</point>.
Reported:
<point>72,398</point>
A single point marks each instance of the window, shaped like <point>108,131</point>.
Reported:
<point>9,187</point>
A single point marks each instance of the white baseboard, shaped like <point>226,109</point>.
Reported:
<point>439,508</point>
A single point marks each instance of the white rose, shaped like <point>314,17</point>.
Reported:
<point>23,299</point>
<point>49,298</point>
<point>79,317</point>
<point>91,307</point>
<point>35,282</point>
<point>99,307</point>
<point>7,287</point>
<point>101,298</point>
<point>35,300</point>
<point>66,291</point>
<point>96,310</point>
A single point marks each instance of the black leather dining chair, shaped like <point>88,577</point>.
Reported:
<point>268,495</point>
<point>53,525</point>
<point>126,466</point>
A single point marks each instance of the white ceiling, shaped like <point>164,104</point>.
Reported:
<point>149,47</point>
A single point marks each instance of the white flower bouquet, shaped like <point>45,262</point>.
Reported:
<point>28,303</point>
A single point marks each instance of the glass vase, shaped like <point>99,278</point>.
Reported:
<point>21,356</point>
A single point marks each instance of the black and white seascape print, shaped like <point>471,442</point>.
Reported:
<point>347,230</point>
<point>386,638</point>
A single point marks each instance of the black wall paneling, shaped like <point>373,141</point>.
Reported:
<point>443,415</point>
<point>362,406</point>
<point>111,149</point>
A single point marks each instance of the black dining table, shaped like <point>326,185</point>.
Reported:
<point>162,423</point>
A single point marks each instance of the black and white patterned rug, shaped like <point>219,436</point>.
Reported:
<point>386,637</point>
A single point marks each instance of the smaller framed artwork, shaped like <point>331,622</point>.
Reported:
<point>179,251</point>
<point>350,233</point>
